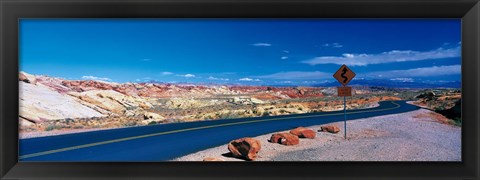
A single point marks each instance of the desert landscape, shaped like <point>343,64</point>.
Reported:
<point>239,89</point>
<point>53,106</point>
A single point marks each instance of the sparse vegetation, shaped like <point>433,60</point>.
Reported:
<point>446,102</point>
<point>129,124</point>
<point>230,115</point>
<point>241,105</point>
<point>52,127</point>
<point>265,114</point>
<point>457,121</point>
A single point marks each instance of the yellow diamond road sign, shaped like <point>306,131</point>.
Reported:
<point>344,75</point>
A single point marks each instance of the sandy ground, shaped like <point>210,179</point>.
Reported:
<point>35,134</point>
<point>411,136</point>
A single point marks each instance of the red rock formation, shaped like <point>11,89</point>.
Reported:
<point>161,90</point>
<point>330,129</point>
<point>81,86</point>
<point>302,132</point>
<point>245,148</point>
<point>285,139</point>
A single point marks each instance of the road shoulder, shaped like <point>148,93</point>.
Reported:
<point>410,136</point>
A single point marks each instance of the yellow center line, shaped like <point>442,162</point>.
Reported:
<point>190,129</point>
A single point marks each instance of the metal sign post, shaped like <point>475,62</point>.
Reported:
<point>344,75</point>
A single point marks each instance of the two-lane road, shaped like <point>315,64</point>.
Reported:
<point>167,141</point>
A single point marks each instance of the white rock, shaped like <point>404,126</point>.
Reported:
<point>39,103</point>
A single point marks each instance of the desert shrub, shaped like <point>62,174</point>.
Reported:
<point>129,123</point>
<point>68,120</point>
<point>457,121</point>
<point>152,123</point>
<point>230,116</point>
<point>50,127</point>
<point>440,108</point>
<point>53,127</point>
<point>265,114</point>
<point>78,127</point>
<point>131,108</point>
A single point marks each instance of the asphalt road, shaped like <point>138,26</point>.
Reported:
<point>168,141</point>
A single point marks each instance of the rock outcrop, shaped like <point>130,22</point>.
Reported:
<point>152,116</point>
<point>38,103</point>
<point>285,139</point>
<point>246,148</point>
<point>113,102</point>
<point>28,78</point>
<point>303,132</point>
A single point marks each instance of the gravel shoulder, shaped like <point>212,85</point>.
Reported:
<point>412,136</point>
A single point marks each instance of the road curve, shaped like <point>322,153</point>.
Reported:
<point>168,141</point>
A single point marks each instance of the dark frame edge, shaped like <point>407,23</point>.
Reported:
<point>471,27</point>
<point>471,86</point>
<point>470,47</point>
<point>2,166</point>
<point>8,134</point>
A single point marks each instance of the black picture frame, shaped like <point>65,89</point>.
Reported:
<point>467,10</point>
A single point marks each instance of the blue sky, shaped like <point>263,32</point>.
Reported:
<point>241,51</point>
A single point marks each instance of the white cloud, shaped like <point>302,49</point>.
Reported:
<point>297,75</point>
<point>309,82</point>
<point>285,51</point>
<point>284,57</point>
<point>215,78</point>
<point>335,45</point>
<point>418,72</point>
<point>248,79</point>
<point>96,78</point>
<point>402,79</point>
<point>385,57</point>
<point>146,59</point>
<point>188,75</point>
<point>167,73</point>
<point>262,44</point>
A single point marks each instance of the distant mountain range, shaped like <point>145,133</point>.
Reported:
<point>355,82</point>
<point>394,84</point>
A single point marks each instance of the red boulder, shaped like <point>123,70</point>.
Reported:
<point>302,132</point>
<point>245,148</point>
<point>330,129</point>
<point>285,139</point>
